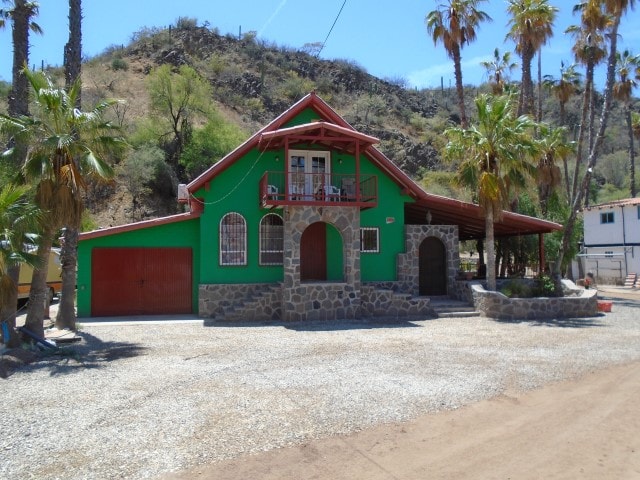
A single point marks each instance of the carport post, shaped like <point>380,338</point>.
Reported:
<point>541,253</point>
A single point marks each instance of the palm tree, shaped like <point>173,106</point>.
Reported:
<point>66,146</point>
<point>615,10</point>
<point>69,250</point>
<point>20,13</point>
<point>454,24</point>
<point>553,146</point>
<point>589,50</point>
<point>499,69</point>
<point>18,219</point>
<point>494,156</point>
<point>563,89</point>
<point>628,69</point>
<point>531,25</point>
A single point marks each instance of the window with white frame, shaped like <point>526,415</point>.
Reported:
<point>370,240</point>
<point>271,239</point>
<point>607,217</point>
<point>233,239</point>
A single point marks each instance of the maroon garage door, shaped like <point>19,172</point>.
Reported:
<point>140,281</point>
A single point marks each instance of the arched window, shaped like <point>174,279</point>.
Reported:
<point>233,239</point>
<point>271,239</point>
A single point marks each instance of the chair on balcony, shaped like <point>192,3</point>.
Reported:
<point>272,192</point>
<point>332,193</point>
<point>348,189</point>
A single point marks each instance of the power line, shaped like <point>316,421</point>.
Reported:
<point>331,29</point>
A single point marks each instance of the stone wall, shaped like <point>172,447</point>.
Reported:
<point>311,301</point>
<point>409,262</point>
<point>217,299</point>
<point>499,306</point>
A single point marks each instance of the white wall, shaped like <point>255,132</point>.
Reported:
<point>613,249</point>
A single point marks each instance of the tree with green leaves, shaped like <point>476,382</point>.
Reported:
<point>66,147</point>
<point>178,98</point>
<point>531,25</point>
<point>455,23</point>
<point>19,219</point>
<point>628,70</point>
<point>495,158</point>
<point>499,69</point>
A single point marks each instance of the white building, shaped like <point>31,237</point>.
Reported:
<point>611,248</point>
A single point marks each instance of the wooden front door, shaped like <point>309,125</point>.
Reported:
<point>313,253</point>
<point>432,267</point>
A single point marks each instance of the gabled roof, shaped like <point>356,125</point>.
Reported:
<point>329,120</point>
<point>331,126</point>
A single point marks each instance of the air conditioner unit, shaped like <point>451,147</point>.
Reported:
<point>183,193</point>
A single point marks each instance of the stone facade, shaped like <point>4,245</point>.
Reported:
<point>499,306</point>
<point>409,262</point>
<point>294,300</point>
<point>326,301</point>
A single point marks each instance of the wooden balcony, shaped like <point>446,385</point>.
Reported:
<point>319,189</point>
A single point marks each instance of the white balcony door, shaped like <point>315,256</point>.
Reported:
<point>308,172</point>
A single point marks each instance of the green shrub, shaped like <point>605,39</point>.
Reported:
<point>119,64</point>
<point>516,289</point>
<point>545,286</point>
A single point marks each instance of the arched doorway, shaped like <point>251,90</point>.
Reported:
<point>432,267</point>
<point>321,253</point>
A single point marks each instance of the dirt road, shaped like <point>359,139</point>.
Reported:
<point>587,429</point>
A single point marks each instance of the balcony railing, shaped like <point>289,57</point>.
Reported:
<point>332,189</point>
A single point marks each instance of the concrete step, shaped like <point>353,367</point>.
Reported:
<point>446,307</point>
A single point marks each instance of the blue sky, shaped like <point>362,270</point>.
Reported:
<point>387,38</point>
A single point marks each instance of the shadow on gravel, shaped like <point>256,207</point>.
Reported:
<point>561,322</point>
<point>322,326</point>
<point>621,302</point>
<point>92,353</point>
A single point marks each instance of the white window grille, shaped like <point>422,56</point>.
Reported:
<point>233,239</point>
<point>370,240</point>
<point>271,240</point>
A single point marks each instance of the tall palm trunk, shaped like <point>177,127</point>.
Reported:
<point>18,105</point>
<point>19,95</point>
<point>632,153</point>
<point>66,317</point>
<point>8,308</point>
<point>526,103</point>
<point>459,87</point>
<point>39,289</point>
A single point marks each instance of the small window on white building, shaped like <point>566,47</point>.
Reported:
<point>638,209</point>
<point>370,240</point>
<point>608,253</point>
<point>607,217</point>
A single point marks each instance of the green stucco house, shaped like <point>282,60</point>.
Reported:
<point>306,220</point>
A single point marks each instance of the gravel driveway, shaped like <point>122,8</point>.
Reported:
<point>142,399</point>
